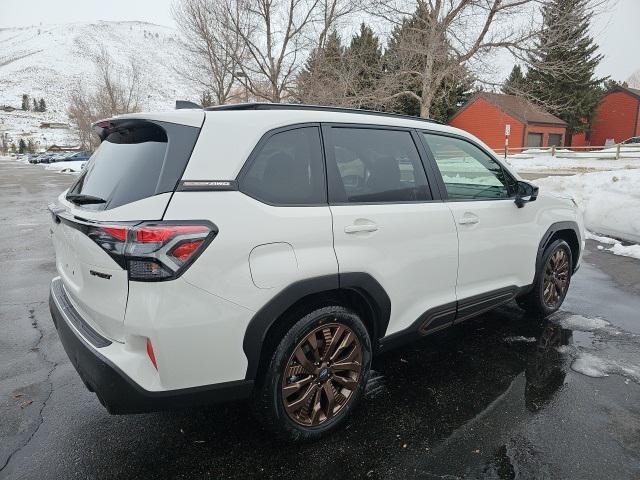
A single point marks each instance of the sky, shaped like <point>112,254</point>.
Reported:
<point>615,28</point>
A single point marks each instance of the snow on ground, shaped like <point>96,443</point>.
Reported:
<point>610,201</point>
<point>618,248</point>
<point>602,349</point>
<point>545,163</point>
<point>583,324</point>
<point>595,366</point>
<point>520,338</point>
<point>26,125</point>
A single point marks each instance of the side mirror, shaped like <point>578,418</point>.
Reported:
<point>525,192</point>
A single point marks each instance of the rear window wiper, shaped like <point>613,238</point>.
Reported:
<point>82,199</point>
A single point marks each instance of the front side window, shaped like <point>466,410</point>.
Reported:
<point>468,173</point>
<point>287,169</point>
<point>375,166</point>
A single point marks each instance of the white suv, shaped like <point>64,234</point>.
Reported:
<point>269,251</point>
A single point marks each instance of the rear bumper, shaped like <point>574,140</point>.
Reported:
<point>115,390</point>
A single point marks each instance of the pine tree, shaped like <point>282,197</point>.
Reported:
<point>42,106</point>
<point>35,106</point>
<point>364,58</point>
<point>561,73</point>
<point>321,80</point>
<point>25,102</point>
<point>515,82</point>
<point>31,146</point>
<point>22,146</point>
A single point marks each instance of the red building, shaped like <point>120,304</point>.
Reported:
<point>616,117</point>
<point>486,115</point>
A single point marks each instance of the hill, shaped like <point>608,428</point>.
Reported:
<point>46,61</point>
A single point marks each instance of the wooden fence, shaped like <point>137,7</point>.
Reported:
<point>611,150</point>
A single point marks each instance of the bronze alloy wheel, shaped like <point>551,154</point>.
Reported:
<point>556,278</point>
<point>321,374</point>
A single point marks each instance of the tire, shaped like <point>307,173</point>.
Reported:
<point>318,380</point>
<point>538,301</point>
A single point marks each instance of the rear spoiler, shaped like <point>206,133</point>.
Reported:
<point>103,128</point>
<point>186,104</point>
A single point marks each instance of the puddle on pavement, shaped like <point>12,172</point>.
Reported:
<point>599,349</point>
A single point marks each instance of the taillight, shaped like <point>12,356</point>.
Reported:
<point>151,353</point>
<point>154,251</point>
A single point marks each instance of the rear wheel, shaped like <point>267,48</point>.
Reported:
<point>316,375</point>
<point>552,280</point>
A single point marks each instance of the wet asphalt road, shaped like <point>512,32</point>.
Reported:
<point>493,398</point>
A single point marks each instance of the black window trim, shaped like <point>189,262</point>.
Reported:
<point>256,151</point>
<point>436,195</point>
<point>438,175</point>
<point>435,182</point>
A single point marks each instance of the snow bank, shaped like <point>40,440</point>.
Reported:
<point>610,201</point>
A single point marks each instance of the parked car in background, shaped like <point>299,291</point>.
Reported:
<point>43,158</point>
<point>78,157</point>
<point>61,157</point>
<point>632,141</point>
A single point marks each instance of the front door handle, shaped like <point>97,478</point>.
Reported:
<point>469,220</point>
<point>363,227</point>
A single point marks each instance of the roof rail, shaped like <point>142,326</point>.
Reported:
<point>302,106</point>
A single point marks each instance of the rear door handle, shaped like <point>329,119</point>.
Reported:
<point>365,227</point>
<point>469,219</point>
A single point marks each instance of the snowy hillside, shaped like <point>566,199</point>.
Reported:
<point>46,61</point>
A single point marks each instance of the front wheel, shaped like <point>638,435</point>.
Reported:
<point>552,281</point>
<point>316,375</point>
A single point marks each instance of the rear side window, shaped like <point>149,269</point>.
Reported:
<point>138,159</point>
<point>375,166</point>
<point>287,169</point>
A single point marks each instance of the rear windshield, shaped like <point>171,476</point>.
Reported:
<point>138,159</point>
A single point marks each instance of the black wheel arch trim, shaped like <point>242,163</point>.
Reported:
<point>554,228</point>
<point>265,318</point>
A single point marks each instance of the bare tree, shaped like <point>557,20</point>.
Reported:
<point>114,90</point>
<point>448,37</point>
<point>634,79</point>
<point>213,51</point>
<point>277,35</point>
<point>273,33</point>
<point>118,90</point>
<point>332,13</point>
<point>82,113</point>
